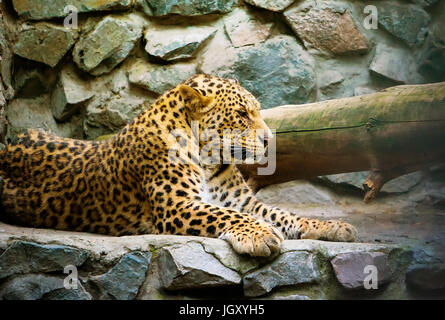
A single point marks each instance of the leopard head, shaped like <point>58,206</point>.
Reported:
<point>228,117</point>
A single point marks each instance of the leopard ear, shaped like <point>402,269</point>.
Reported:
<point>194,100</point>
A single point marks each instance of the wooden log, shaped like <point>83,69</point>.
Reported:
<point>392,132</point>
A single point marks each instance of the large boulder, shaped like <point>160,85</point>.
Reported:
<point>46,9</point>
<point>108,44</point>
<point>278,71</point>
<point>44,42</point>
<point>329,30</point>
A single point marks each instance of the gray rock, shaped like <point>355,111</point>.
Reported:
<point>186,7</point>
<point>396,64</point>
<point>425,3</point>
<point>31,82</point>
<point>426,277</point>
<point>405,21</point>
<point>108,44</point>
<point>291,268</point>
<point>68,294</point>
<point>27,257</point>
<point>431,56</point>
<point>106,113</point>
<point>34,113</point>
<point>400,184</point>
<point>122,282</point>
<point>44,42</point>
<point>328,30</point>
<point>190,267</point>
<point>330,81</point>
<point>69,93</point>
<point>45,9</point>
<point>158,78</point>
<point>174,43</point>
<point>244,29</point>
<point>296,192</point>
<point>278,71</point>
<point>350,267</point>
<point>120,83</point>
<point>272,5</point>
<point>38,286</point>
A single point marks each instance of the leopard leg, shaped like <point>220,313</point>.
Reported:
<point>230,190</point>
<point>179,210</point>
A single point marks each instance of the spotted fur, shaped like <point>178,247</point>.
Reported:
<point>130,185</point>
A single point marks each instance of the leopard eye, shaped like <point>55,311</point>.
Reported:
<point>243,113</point>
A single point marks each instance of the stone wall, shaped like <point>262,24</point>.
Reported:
<point>89,80</point>
<point>37,264</point>
<point>86,74</point>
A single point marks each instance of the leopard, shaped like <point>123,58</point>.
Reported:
<point>145,180</point>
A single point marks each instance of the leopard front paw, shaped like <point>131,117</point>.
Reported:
<point>257,239</point>
<point>331,230</point>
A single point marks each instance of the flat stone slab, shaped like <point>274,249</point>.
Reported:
<point>156,266</point>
